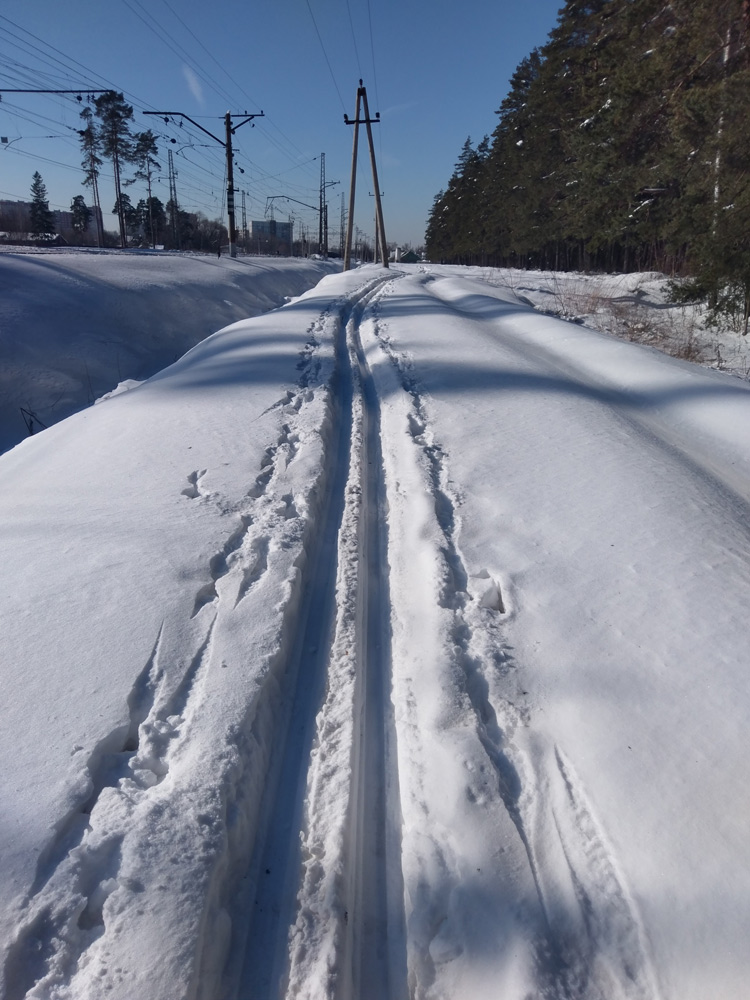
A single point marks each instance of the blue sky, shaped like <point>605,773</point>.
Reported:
<point>436,71</point>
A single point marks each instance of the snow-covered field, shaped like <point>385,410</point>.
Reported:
<point>75,323</point>
<point>389,644</point>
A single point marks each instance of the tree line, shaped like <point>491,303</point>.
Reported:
<point>621,145</point>
<point>107,133</point>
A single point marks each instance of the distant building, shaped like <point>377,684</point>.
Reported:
<point>15,219</point>
<point>14,216</point>
<point>64,220</point>
<point>281,231</point>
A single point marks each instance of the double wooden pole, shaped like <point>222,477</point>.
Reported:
<point>368,122</point>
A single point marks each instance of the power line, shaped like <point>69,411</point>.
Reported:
<point>374,74</point>
<point>176,48</point>
<point>58,65</point>
<point>354,37</point>
<point>63,73</point>
<point>46,57</point>
<point>210,55</point>
<point>372,52</point>
<point>78,90</point>
<point>325,55</point>
<point>240,89</point>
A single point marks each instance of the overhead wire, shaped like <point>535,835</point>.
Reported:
<point>54,67</point>
<point>146,18</point>
<point>372,53</point>
<point>377,95</point>
<point>354,38</point>
<point>325,55</point>
<point>161,33</point>
<point>210,55</point>
<point>51,61</point>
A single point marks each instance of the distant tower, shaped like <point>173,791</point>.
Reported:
<point>173,200</point>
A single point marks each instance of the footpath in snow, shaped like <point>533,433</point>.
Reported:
<point>387,645</point>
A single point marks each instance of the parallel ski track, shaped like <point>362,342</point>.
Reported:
<point>258,966</point>
<point>377,932</point>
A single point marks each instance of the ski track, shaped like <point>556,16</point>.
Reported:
<point>306,879</point>
<point>310,921</point>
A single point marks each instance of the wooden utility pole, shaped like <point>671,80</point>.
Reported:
<point>377,234</point>
<point>353,183</point>
<point>356,122</point>
<point>227,144</point>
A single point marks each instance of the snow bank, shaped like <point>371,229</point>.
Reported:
<point>75,323</point>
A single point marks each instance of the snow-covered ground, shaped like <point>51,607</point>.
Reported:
<point>75,323</point>
<point>636,307</point>
<point>390,644</point>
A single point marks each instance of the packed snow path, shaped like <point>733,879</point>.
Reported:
<point>390,645</point>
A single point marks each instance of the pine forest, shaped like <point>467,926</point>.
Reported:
<point>623,145</point>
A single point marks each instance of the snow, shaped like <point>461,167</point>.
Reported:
<point>635,307</point>
<point>387,644</point>
<point>109,317</point>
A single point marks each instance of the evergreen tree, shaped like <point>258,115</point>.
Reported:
<point>125,210</point>
<point>117,142</point>
<point>622,144</point>
<point>81,214</point>
<point>92,162</point>
<point>41,220</point>
<point>144,156</point>
<point>437,238</point>
<point>153,219</point>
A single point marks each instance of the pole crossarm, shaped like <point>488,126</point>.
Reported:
<point>80,90</point>
<point>230,129</point>
<point>246,120</point>
<point>166,115</point>
<point>363,121</point>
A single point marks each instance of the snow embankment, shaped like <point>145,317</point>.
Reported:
<point>390,644</point>
<point>75,323</point>
<point>151,588</point>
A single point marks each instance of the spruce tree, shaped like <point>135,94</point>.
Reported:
<point>41,219</point>
<point>81,214</point>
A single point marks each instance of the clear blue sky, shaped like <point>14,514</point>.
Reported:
<point>436,70</point>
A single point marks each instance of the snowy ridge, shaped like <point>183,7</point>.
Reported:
<point>113,316</point>
<point>143,775</point>
<point>585,941</point>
